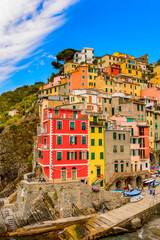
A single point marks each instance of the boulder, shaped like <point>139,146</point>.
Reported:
<point>136,223</point>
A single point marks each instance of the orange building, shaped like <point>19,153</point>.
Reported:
<point>78,79</point>
<point>153,93</point>
<point>114,69</point>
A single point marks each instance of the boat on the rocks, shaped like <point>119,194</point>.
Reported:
<point>120,191</point>
<point>136,198</point>
<point>132,193</point>
<point>148,181</point>
<point>156,183</point>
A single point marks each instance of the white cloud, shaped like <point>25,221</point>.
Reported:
<point>23,27</point>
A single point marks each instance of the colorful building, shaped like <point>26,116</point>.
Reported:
<point>96,151</point>
<point>107,60</point>
<point>85,56</point>
<point>63,144</point>
<point>130,67</point>
<point>153,93</point>
<point>114,69</point>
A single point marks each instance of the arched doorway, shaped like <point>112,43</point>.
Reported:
<point>122,166</point>
<point>63,174</point>
<point>139,181</point>
<point>116,166</point>
<point>118,184</point>
<point>74,173</point>
<point>128,181</point>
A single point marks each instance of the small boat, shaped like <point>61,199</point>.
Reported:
<point>136,198</point>
<point>156,183</point>
<point>120,191</point>
<point>148,180</point>
<point>132,193</point>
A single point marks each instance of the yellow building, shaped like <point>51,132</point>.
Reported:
<point>156,80</point>
<point>122,55</point>
<point>97,153</point>
<point>112,84</point>
<point>54,90</point>
<point>107,60</point>
<point>130,67</point>
<point>156,70</point>
<point>131,88</point>
<point>69,67</point>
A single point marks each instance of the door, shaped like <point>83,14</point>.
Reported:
<point>74,114</point>
<point>135,167</point>
<point>74,173</point>
<point>64,174</point>
<point>122,167</point>
<point>98,171</point>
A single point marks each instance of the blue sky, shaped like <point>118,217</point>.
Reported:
<point>132,27</point>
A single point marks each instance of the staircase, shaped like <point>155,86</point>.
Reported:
<point>97,180</point>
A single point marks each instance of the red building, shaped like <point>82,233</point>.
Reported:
<point>143,133</point>
<point>114,69</point>
<point>63,145</point>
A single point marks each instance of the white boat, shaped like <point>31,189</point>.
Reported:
<point>136,198</point>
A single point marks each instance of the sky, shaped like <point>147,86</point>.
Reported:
<point>32,32</point>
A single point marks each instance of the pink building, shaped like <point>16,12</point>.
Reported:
<point>138,162</point>
<point>153,93</point>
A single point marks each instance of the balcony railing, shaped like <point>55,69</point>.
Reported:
<point>95,123</point>
<point>41,131</point>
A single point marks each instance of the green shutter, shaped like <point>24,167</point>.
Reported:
<point>123,136</point>
<point>67,155</point>
<point>75,140</point>
<point>100,142</point>
<point>87,155</point>
<point>70,142</point>
<point>75,155</point>
<point>80,155</point>
<point>119,136</point>
<point>114,135</point>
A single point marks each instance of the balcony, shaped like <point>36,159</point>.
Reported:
<point>44,146</point>
<point>41,131</point>
<point>95,123</point>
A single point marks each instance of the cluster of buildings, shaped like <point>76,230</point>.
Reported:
<point>100,118</point>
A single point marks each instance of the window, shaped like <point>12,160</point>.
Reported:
<point>83,77</point>
<point>155,116</point>
<point>92,156</point>
<point>83,125</point>
<point>105,100</point>
<point>106,89</point>
<point>135,87</point>
<point>69,76</point>
<point>114,148</point>
<point>142,117</point>
<point>82,84</point>
<point>156,136</point>
<point>83,70</point>
<point>84,155</point>
<point>130,86</point>
<point>124,85</point>
<point>100,142</point>
<point>111,83</point>
<point>72,125</point>
<point>114,135</point>
<point>95,71</point>
<point>59,155</point>
<point>92,142</point>
<point>83,140</point>
<point>51,90</point>
<point>71,155</point>
<point>105,109</point>
<point>110,101</point>
<point>90,77</point>
<point>72,140</point>
<point>138,117</point>
<point>59,140</point>
<point>101,155</point>
<point>100,130</point>
<point>129,71</point>
<point>59,124</point>
<point>137,107</point>
<point>120,108</point>
<point>56,112</point>
<point>92,130</point>
<point>111,90</point>
<point>116,166</point>
<point>121,148</point>
<point>106,82</point>
<point>109,63</point>
<point>141,107</point>
<point>94,119</point>
<point>123,136</point>
<point>156,126</point>
<point>40,154</point>
<point>146,165</point>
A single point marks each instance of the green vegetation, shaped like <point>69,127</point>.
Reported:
<point>23,99</point>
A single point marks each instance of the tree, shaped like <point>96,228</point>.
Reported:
<point>66,55</point>
<point>95,61</point>
<point>158,62</point>
<point>56,65</point>
<point>51,79</point>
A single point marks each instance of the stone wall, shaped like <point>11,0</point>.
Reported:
<point>66,198</point>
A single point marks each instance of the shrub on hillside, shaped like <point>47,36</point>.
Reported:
<point>13,127</point>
